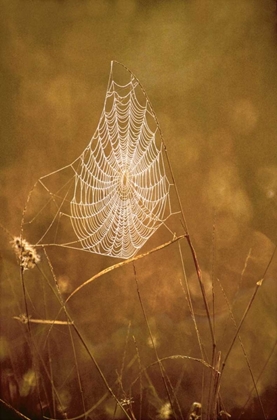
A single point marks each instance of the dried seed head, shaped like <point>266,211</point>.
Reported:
<point>195,411</point>
<point>26,253</point>
<point>126,401</point>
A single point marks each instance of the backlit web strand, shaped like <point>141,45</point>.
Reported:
<point>121,194</point>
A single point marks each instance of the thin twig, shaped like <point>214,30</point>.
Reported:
<point>24,320</point>
<point>14,410</point>
<point>140,380</point>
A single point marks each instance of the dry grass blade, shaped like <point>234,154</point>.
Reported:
<point>10,407</point>
<point>123,263</point>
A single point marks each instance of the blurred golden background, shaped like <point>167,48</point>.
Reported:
<point>210,71</point>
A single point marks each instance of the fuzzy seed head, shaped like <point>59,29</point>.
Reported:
<point>26,253</point>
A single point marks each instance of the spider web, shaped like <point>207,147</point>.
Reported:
<point>121,190</point>
<point>120,193</point>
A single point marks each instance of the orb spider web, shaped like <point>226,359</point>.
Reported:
<point>119,194</point>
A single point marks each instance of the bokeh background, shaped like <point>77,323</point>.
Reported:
<point>210,71</point>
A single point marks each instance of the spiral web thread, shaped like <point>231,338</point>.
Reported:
<point>121,193</point>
